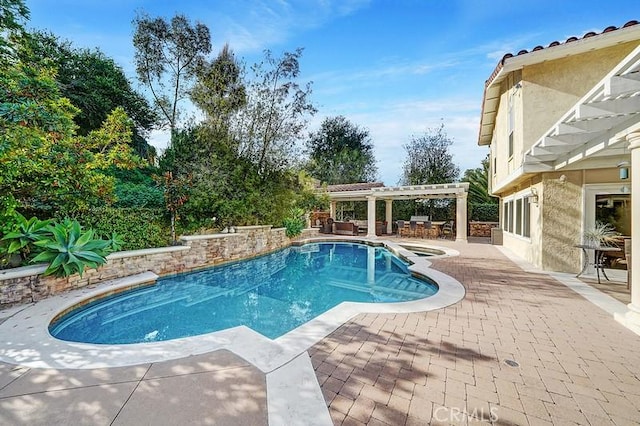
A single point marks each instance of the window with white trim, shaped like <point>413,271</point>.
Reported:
<point>517,215</point>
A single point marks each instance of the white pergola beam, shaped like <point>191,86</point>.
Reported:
<point>609,107</point>
<point>622,84</point>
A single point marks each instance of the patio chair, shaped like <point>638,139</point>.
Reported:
<point>426,230</point>
<point>328,226</point>
<point>447,230</point>
<point>413,228</point>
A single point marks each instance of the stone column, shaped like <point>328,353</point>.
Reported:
<point>633,316</point>
<point>461,217</point>
<point>371,216</point>
<point>388,208</point>
<point>332,210</point>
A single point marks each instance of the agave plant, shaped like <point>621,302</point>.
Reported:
<point>69,249</point>
<point>25,234</point>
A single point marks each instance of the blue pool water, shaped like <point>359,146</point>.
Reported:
<point>272,294</point>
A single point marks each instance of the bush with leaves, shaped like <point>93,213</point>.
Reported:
<point>294,223</point>
<point>485,212</point>
<point>139,227</point>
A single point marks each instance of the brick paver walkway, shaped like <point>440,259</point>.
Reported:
<point>576,364</point>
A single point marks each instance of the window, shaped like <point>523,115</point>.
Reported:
<point>495,164</point>
<point>517,216</point>
<point>505,216</point>
<point>526,217</point>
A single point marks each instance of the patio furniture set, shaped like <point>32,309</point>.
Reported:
<point>418,226</point>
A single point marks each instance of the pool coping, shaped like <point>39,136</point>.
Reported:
<point>293,391</point>
<point>27,340</point>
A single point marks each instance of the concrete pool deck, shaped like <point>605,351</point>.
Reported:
<point>576,364</point>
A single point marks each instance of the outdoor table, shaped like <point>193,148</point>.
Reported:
<point>436,226</point>
<point>598,258</point>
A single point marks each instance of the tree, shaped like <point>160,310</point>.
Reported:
<point>45,165</point>
<point>478,179</point>
<point>276,112</point>
<point>95,84</point>
<point>167,56</point>
<point>482,206</point>
<point>428,159</point>
<point>219,90</point>
<point>12,15</point>
<point>341,152</point>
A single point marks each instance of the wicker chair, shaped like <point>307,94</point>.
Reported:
<point>447,230</point>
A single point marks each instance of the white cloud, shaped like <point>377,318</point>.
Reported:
<point>253,25</point>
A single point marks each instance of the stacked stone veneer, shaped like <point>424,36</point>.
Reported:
<point>27,284</point>
<point>481,229</point>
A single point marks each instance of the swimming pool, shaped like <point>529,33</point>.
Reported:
<point>272,295</point>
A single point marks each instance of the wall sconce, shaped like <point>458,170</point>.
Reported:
<point>562,178</point>
<point>623,169</point>
<point>533,198</point>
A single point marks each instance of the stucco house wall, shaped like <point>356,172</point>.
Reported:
<point>540,94</point>
<point>551,88</point>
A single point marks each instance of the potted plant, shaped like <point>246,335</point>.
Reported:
<point>601,234</point>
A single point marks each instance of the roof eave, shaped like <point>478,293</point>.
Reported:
<point>509,64</point>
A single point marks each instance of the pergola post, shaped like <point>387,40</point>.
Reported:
<point>371,216</point>
<point>633,315</point>
<point>461,217</point>
<point>332,210</point>
<point>388,209</point>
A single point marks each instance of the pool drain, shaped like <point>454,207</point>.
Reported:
<point>511,363</point>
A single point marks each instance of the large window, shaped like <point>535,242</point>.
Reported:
<point>517,216</point>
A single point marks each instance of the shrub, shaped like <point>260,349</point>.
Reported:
<point>484,212</point>
<point>139,227</point>
<point>294,223</point>
<point>135,195</point>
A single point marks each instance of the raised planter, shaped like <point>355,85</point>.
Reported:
<point>27,284</point>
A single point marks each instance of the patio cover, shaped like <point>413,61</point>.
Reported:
<point>371,192</point>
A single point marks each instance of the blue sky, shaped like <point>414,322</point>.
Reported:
<point>394,67</point>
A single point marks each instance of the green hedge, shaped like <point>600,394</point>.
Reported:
<point>484,212</point>
<point>139,228</point>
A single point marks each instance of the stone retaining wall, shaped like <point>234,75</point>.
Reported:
<point>27,284</point>
<point>481,229</point>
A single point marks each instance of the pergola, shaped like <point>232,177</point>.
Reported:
<point>371,192</point>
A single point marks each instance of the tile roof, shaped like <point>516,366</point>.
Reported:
<point>553,44</point>
<point>354,186</point>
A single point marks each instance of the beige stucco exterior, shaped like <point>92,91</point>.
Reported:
<point>538,95</point>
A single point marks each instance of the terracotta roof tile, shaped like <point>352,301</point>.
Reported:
<point>354,186</point>
<point>553,44</point>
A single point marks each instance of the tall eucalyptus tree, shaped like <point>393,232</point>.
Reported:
<point>167,57</point>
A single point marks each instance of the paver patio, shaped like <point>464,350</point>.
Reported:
<point>576,366</point>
